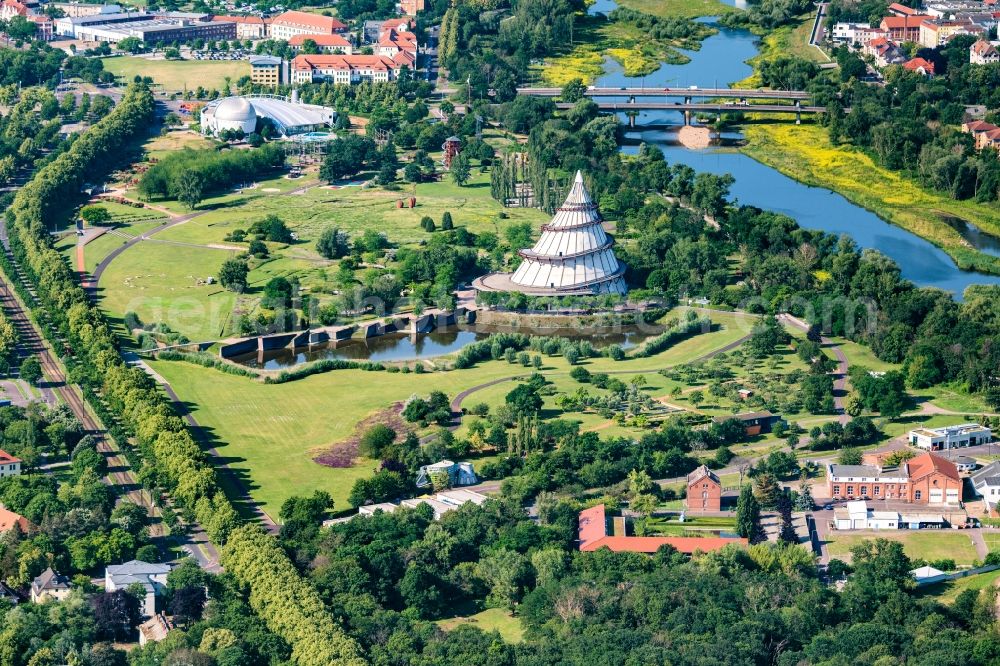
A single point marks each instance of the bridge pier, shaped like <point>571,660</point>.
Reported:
<point>631,120</point>
<point>798,112</point>
<point>687,117</point>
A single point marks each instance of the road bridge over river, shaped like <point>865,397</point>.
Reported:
<point>632,109</point>
<point>687,93</point>
<point>692,99</point>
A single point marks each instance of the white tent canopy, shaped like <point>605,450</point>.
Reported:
<point>574,253</point>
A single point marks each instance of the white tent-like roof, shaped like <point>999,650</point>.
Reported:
<point>574,253</point>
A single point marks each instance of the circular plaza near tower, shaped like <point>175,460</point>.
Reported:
<point>573,257</point>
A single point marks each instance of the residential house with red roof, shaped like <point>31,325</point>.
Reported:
<point>392,42</point>
<point>9,465</point>
<point>983,53</point>
<point>885,52</point>
<point>920,66</point>
<point>11,8</point>
<point>291,23</point>
<point>8,519</point>
<point>593,535</point>
<point>326,43</point>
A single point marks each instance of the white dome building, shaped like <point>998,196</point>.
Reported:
<point>573,256</point>
<point>231,113</point>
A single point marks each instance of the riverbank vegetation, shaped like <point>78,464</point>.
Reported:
<point>804,152</point>
<point>638,41</point>
<point>899,152</point>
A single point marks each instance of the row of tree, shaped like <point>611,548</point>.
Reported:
<point>171,457</point>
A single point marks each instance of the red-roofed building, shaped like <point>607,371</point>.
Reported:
<point>904,28</point>
<point>343,69</point>
<point>926,479</point>
<point>897,9</point>
<point>704,490</point>
<point>988,139</point>
<point>291,23</point>
<point>9,465</point>
<point>392,41</point>
<point>247,27</point>
<point>884,51</point>
<point>326,43</point>
<point>920,66</point>
<point>8,519</point>
<point>983,53</point>
<point>43,25</point>
<point>11,8</point>
<point>593,535</point>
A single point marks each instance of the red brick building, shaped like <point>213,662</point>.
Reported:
<point>593,535</point>
<point>704,491</point>
<point>926,479</point>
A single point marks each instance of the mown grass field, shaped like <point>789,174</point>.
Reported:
<point>271,431</point>
<point>679,8</point>
<point>804,152</point>
<point>947,592</point>
<point>924,544</point>
<point>491,619</point>
<point>178,75</point>
<point>164,281</point>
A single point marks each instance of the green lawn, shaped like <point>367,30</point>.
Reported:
<point>992,539</point>
<point>925,544</point>
<point>165,283</point>
<point>861,355</point>
<point>160,281</point>
<point>491,619</point>
<point>955,398</point>
<point>948,591</point>
<point>179,75</point>
<point>271,430</point>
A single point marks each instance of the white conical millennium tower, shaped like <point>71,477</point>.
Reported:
<point>574,254</point>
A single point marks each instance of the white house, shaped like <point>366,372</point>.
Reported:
<point>9,465</point>
<point>459,474</point>
<point>442,503</point>
<point>848,32</point>
<point>986,483</point>
<point>153,577</point>
<point>950,437</point>
<point>964,463</point>
<point>858,516</point>
<point>983,53</point>
<point>440,508</point>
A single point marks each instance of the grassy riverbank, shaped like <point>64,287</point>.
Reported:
<point>598,37</point>
<point>804,152</point>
